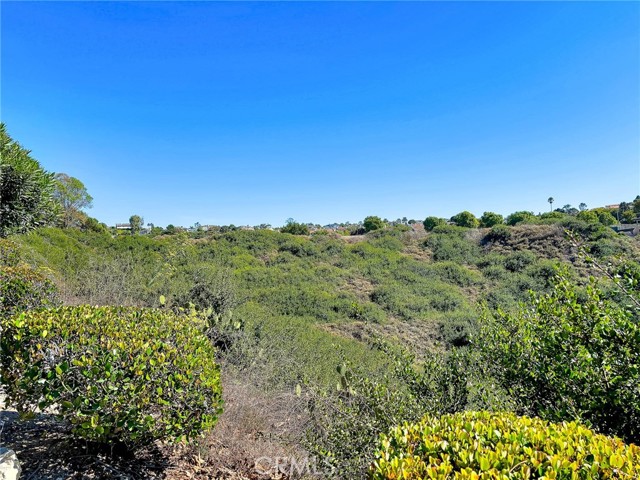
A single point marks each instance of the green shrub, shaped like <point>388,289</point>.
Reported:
<point>456,330</point>
<point>21,286</point>
<point>457,274</point>
<point>295,228</point>
<point>26,190</point>
<point>9,253</point>
<point>387,242</point>
<point>498,233</point>
<point>116,374</point>
<point>490,219</point>
<point>589,231</point>
<point>408,304</point>
<point>24,288</point>
<point>604,248</point>
<point>501,446</point>
<point>346,424</point>
<point>588,216</point>
<point>605,216</point>
<point>432,222</point>
<point>500,298</point>
<point>372,223</point>
<point>209,288</point>
<point>520,217</point>
<point>495,272</point>
<point>466,219</point>
<point>571,354</point>
<point>549,218</point>
<point>518,261</point>
<point>448,243</point>
<point>282,351</point>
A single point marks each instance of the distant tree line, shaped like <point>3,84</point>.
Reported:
<point>31,197</point>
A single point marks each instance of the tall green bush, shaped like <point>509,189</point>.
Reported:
<point>490,219</point>
<point>570,354</point>
<point>116,374</point>
<point>26,190</point>
<point>520,217</point>
<point>24,288</point>
<point>432,222</point>
<point>295,228</point>
<point>466,219</point>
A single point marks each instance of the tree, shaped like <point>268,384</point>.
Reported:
<point>519,217</point>
<point>489,219</point>
<point>465,219</point>
<point>26,189</point>
<point>373,223</point>
<point>550,200</point>
<point>604,216</point>
<point>91,224</point>
<point>588,216</point>
<point>136,222</point>
<point>295,228</point>
<point>432,222</point>
<point>568,209</point>
<point>628,216</point>
<point>582,207</point>
<point>72,195</point>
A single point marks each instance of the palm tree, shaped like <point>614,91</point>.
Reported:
<point>551,200</point>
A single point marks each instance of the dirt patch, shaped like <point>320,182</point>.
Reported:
<point>255,429</point>
<point>546,241</point>
<point>419,337</point>
<point>359,286</point>
<point>417,252</point>
<point>251,427</point>
<point>46,451</point>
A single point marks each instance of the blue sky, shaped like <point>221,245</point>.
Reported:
<point>247,113</point>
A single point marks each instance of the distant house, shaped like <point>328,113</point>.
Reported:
<point>123,226</point>
<point>611,207</point>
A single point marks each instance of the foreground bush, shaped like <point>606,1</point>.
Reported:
<point>486,446</point>
<point>116,374</point>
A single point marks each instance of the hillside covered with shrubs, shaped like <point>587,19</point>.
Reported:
<point>476,348</point>
<point>367,335</point>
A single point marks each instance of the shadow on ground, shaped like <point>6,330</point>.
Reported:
<point>47,452</point>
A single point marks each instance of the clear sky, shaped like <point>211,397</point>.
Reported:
<point>251,113</point>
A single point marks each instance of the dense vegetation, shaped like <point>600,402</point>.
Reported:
<point>488,446</point>
<point>117,373</point>
<point>26,190</point>
<point>398,312</point>
<point>366,329</point>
